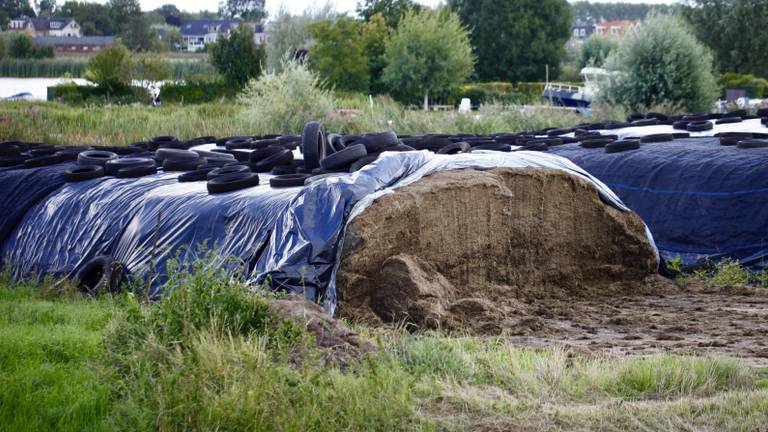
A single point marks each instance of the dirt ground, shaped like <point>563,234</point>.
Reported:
<point>730,321</point>
<point>536,256</point>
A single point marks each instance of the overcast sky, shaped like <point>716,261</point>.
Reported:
<point>298,6</point>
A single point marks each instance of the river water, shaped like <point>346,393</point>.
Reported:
<point>38,87</point>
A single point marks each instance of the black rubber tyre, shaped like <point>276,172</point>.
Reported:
<point>558,132</point>
<point>136,172</point>
<point>41,161</point>
<point>376,142</point>
<point>728,120</point>
<point>634,116</point>
<point>11,149</point>
<point>737,113</point>
<point>363,161</point>
<point>10,161</point>
<point>333,144</point>
<point>164,139</point>
<point>95,157</point>
<point>680,125</point>
<point>343,158</point>
<point>623,145</point>
<point>196,175</point>
<point>240,156</point>
<point>208,155</point>
<point>232,182</point>
<point>313,144</point>
<point>645,122</point>
<point>399,148</point>
<point>614,125</point>
<point>235,143</point>
<point>265,152</point>
<point>681,135</point>
<point>699,126</point>
<point>657,138</point>
<point>68,154</point>
<point>171,153</point>
<point>501,147</point>
<point>43,151</point>
<point>283,157</point>
<point>186,164</point>
<point>201,140</point>
<point>101,274</point>
<point>83,172</point>
<point>288,180</point>
<point>535,145</point>
<point>657,116</point>
<point>599,142</point>
<point>733,138</point>
<point>113,166</point>
<point>455,148</point>
<point>695,117</point>
<point>752,143</point>
<point>283,170</point>
<point>231,169</point>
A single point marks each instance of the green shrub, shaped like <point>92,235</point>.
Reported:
<point>73,94</point>
<point>21,46</point>
<point>483,93</point>
<point>661,62</point>
<point>237,58</point>
<point>283,102</point>
<point>111,68</point>
<point>195,92</point>
<point>596,49</point>
<point>755,87</point>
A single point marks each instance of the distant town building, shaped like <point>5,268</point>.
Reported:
<point>46,26</point>
<point>85,44</point>
<point>616,28</point>
<point>582,31</point>
<point>198,33</point>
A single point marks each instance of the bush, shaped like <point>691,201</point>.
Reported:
<point>660,63</point>
<point>237,58</point>
<point>111,68</point>
<point>73,94</point>
<point>755,87</point>
<point>195,92</point>
<point>337,54</point>
<point>283,102</point>
<point>483,93</point>
<point>21,46</point>
<point>596,49</point>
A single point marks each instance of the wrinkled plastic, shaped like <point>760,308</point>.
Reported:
<point>288,237</point>
<point>699,199</point>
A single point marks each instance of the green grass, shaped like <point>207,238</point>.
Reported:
<point>75,66</point>
<point>212,357</point>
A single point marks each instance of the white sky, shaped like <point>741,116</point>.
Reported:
<point>298,6</point>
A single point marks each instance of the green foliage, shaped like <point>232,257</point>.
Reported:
<point>429,53</point>
<point>138,36</point>
<point>487,93</point>
<point>73,94</point>
<point>111,68</point>
<point>151,67</point>
<point>661,63</point>
<point>238,58</point>
<point>337,54</point>
<point>21,46</point>
<point>195,92</point>
<point>249,10</point>
<point>44,52</point>
<point>289,33</point>
<point>10,9</point>
<point>591,11</point>
<point>173,39</point>
<point>755,87</point>
<point>724,273</point>
<point>596,49</point>
<point>3,48</point>
<point>514,40</point>
<point>392,10</point>
<point>95,19</point>
<point>734,30</point>
<point>283,102</point>
<point>375,38</point>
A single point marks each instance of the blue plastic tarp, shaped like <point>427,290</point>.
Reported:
<point>699,199</point>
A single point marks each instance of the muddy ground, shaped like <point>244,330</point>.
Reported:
<point>533,255</point>
<point>730,321</point>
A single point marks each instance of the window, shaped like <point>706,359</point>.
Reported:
<point>583,32</point>
<point>614,30</point>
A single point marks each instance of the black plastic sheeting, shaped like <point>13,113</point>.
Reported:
<point>286,237</point>
<point>700,199</point>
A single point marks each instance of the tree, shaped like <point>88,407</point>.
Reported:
<point>151,67</point>
<point>167,10</point>
<point>95,19</point>
<point>3,48</point>
<point>592,12</point>
<point>173,39</point>
<point>288,34</point>
<point>596,49</point>
<point>428,54</point>
<point>337,54</point>
<point>138,36</point>
<point>734,30</point>
<point>375,37</point>
<point>662,63</point>
<point>10,9</point>
<point>392,10</point>
<point>514,40</point>
<point>21,46</point>
<point>45,7</point>
<point>111,68</point>
<point>238,58</point>
<point>123,13</point>
<point>248,10</point>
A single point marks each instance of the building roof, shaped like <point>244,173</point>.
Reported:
<point>66,40</point>
<point>50,23</point>
<point>205,26</point>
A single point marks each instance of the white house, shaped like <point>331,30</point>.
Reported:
<point>198,33</point>
<point>46,26</point>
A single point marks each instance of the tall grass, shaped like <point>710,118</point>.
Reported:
<point>75,67</point>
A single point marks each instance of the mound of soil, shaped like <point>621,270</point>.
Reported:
<point>478,251</point>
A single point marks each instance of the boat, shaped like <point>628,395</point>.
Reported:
<point>572,96</point>
<point>20,96</point>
